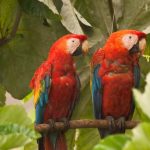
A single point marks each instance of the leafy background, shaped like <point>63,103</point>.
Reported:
<point>29,27</point>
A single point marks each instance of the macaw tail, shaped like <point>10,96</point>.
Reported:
<point>105,132</point>
<point>55,141</point>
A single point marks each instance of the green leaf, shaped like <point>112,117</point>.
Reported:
<point>14,114</point>
<point>83,20</point>
<point>50,5</point>
<point>143,99</point>
<point>69,19</point>
<point>2,95</point>
<point>42,9</point>
<point>23,54</point>
<point>140,139</point>
<point>97,14</point>
<point>147,50</point>
<point>134,14</point>
<point>113,142</point>
<point>7,8</point>
<point>15,128</point>
<point>13,141</point>
<point>13,135</point>
<point>27,97</point>
<point>31,146</point>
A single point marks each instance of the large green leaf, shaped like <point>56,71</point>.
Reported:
<point>143,99</point>
<point>128,14</point>
<point>97,13</point>
<point>40,8</point>
<point>135,14</point>
<point>13,135</point>
<point>69,19</point>
<point>50,5</point>
<point>115,142</point>
<point>23,54</point>
<point>147,50</point>
<point>12,113</point>
<point>16,129</point>
<point>140,139</point>
<point>8,11</point>
<point>2,95</point>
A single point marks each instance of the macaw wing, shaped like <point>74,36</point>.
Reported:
<point>42,98</point>
<point>136,73</point>
<point>96,92</point>
<point>76,97</point>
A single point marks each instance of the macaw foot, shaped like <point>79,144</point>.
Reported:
<point>121,124</point>
<point>111,123</point>
<point>66,123</point>
<point>51,122</point>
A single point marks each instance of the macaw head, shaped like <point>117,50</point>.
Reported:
<point>125,42</point>
<point>74,44</point>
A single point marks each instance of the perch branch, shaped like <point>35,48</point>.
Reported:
<point>85,123</point>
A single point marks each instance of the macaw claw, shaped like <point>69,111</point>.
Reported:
<point>111,123</point>
<point>66,123</point>
<point>51,122</point>
<point>121,124</point>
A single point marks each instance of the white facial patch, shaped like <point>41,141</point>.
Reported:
<point>129,40</point>
<point>72,45</point>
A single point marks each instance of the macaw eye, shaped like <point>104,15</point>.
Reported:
<point>130,37</point>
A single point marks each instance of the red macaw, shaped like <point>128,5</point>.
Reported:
<point>56,87</point>
<point>115,72</point>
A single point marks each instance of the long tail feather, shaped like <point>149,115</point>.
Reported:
<point>60,143</point>
<point>105,132</point>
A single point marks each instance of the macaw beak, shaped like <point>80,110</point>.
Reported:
<point>139,47</point>
<point>82,49</point>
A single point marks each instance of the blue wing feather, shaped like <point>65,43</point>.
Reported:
<point>136,73</point>
<point>96,92</point>
<point>43,99</point>
<point>136,76</point>
<point>77,97</point>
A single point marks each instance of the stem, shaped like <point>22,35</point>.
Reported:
<point>85,123</point>
<point>111,9</point>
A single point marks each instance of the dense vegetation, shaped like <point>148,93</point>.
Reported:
<point>27,30</point>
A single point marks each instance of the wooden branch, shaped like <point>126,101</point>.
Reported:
<point>85,123</point>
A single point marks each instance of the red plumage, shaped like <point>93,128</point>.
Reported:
<point>116,75</point>
<point>63,91</point>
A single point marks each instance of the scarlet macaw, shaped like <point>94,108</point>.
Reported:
<point>116,71</point>
<point>56,87</point>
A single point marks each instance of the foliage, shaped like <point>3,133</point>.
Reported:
<point>2,95</point>
<point>16,129</point>
<point>147,52</point>
<point>112,143</point>
<point>139,139</point>
<point>24,46</point>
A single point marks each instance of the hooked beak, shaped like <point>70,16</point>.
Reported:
<point>82,49</point>
<point>139,47</point>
